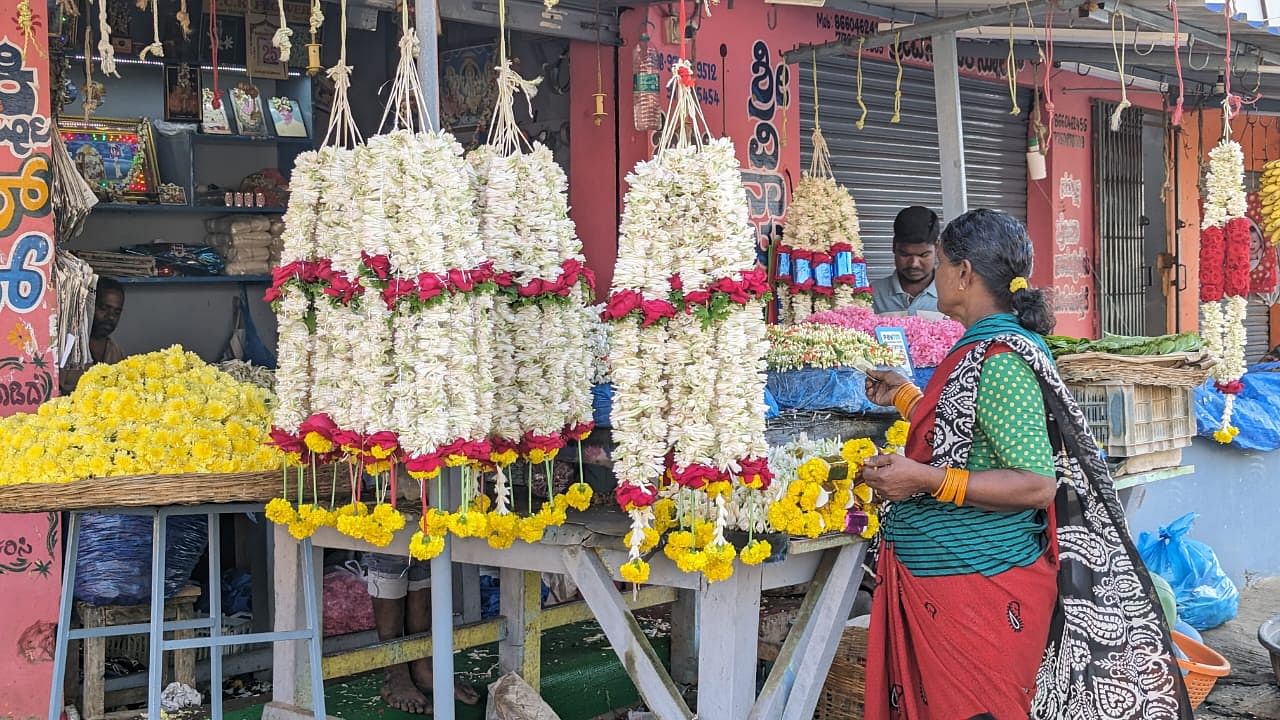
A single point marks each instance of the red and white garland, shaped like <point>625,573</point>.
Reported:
<point>820,267</point>
<point>1224,273</point>
<point>687,336</point>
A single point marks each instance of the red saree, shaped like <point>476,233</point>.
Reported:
<point>959,646</point>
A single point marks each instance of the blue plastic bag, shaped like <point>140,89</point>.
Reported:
<point>114,563</point>
<point>817,390</point>
<point>1206,596</point>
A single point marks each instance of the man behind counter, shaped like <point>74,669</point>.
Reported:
<point>910,288</point>
<point>108,304</point>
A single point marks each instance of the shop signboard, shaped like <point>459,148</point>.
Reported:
<point>30,554</point>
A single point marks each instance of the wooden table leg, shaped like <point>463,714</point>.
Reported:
<point>521,601</point>
<point>93,681</point>
<point>728,638</point>
<point>291,672</point>
<point>684,637</point>
<point>184,661</point>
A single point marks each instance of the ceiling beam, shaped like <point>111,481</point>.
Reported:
<point>1198,35</point>
<point>916,31</point>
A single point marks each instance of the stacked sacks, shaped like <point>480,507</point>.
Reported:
<point>250,245</point>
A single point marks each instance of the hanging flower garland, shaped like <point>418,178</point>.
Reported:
<point>1224,273</point>
<point>820,267</point>
<point>687,345</point>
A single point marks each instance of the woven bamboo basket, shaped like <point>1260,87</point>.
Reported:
<point>141,491</point>
<point>1176,370</point>
<point>846,684</point>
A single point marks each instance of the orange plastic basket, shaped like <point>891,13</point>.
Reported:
<point>1203,667</point>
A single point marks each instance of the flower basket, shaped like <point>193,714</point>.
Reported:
<point>1174,370</point>
<point>141,491</point>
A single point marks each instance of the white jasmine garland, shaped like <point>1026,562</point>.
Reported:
<point>332,361</point>
<point>821,214</point>
<point>692,393</point>
<point>580,322</point>
<point>1225,196</point>
<point>294,347</point>
<point>740,410</point>
<point>372,371</point>
<point>302,216</point>
<point>1231,366</point>
<point>639,413</point>
<point>418,412</point>
<point>339,220</point>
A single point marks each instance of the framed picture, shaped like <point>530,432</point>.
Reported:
<point>171,194</point>
<point>286,116</point>
<point>247,104</point>
<point>182,97</point>
<point>213,120</point>
<point>116,157</point>
<point>231,39</point>
<point>467,90</point>
<point>263,58</point>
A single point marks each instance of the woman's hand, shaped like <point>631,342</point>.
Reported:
<point>882,385</point>
<point>895,477</point>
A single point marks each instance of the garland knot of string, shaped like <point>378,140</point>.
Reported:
<point>862,118</point>
<point>504,133</point>
<point>1118,49</point>
<point>685,126</point>
<point>342,123</point>
<point>156,47</point>
<point>407,104</point>
<point>820,162</point>
<point>283,39</point>
<point>106,52</point>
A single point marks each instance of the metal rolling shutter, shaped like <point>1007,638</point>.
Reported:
<point>888,167</point>
<point>1257,323</point>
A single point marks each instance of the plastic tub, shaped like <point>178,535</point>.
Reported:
<point>1203,667</point>
<point>1269,636</point>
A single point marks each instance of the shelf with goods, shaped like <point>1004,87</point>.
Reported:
<point>198,280</point>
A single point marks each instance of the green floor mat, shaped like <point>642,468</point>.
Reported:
<point>581,677</point>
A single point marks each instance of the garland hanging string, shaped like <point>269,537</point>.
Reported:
<point>1230,102</point>
<point>820,162</point>
<point>407,104</point>
<point>342,124</point>
<point>27,24</point>
<point>862,118</point>
<point>1011,72</point>
<point>1119,50</point>
<point>1047,56</point>
<point>283,39</point>
<point>897,85</point>
<point>106,52</point>
<point>213,51</point>
<point>156,47</point>
<point>504,132</point>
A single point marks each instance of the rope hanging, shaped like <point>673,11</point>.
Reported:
<point>1230,102</point>
<point>216,101</point>
<point>1119,50</point>
<point>407,104</point>
<point>862,118</point>
<point>505,135</point>
<point>184,19</point>
<point>1176,120</point>
<point>820,161</point>
<point>106,52</point>
<point>156,47</point>
<point>1010,71</point>
<point>283,39</point>
<point>342,124</point>
<point>27,24</point>
<point>897,86</point>
<point>685,125</point>
<point>1047,56</point>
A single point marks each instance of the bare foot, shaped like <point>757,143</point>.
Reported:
<point>400,692</point>
<point>421,672</point>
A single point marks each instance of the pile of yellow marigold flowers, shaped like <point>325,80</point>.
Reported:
<point>162,413</point>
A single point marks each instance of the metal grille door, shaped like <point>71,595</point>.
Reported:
<point>1118,197</point>
<point>890,166</point>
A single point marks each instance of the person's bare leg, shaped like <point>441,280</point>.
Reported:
<point>418,620</point>
<point>398,689</point>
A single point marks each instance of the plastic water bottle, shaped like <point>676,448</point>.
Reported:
<point>646,87</point>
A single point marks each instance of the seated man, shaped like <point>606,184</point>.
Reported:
<point>108,305</point>
<point>909,289</point>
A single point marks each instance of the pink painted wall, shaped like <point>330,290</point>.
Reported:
<point>30,546</point>
<point>752,96</point>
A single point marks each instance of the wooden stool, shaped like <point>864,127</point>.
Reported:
<point>93,679</point>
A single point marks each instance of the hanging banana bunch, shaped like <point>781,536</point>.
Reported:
<point>1269,193</point>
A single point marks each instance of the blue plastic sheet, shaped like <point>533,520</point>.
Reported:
<point>1254,413</point>
<point>602,404</point>
<point>840,390</point>
<point>1206,596</point>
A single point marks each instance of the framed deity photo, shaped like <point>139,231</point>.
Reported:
<point>116,157</point>
<point>246,102</point>
<point>213,120</point>
<point>182,98</point>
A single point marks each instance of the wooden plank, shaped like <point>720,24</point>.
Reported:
<point>1127,481</point>
<point>407,649</point>
<point>684,638</point>
<point>643,666</point>
<point>466,591</point>
<point>521,602</point>
<point>814,637</point>
<point>578,611</point>
<point>728,630</point>
<point>826,626</point>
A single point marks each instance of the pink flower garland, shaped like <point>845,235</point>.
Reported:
<point>929,340</point>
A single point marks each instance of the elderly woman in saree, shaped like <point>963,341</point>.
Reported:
<point>1008,584</point>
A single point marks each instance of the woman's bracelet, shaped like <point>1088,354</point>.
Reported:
<point>906,398</point>
<point>955,483</point>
